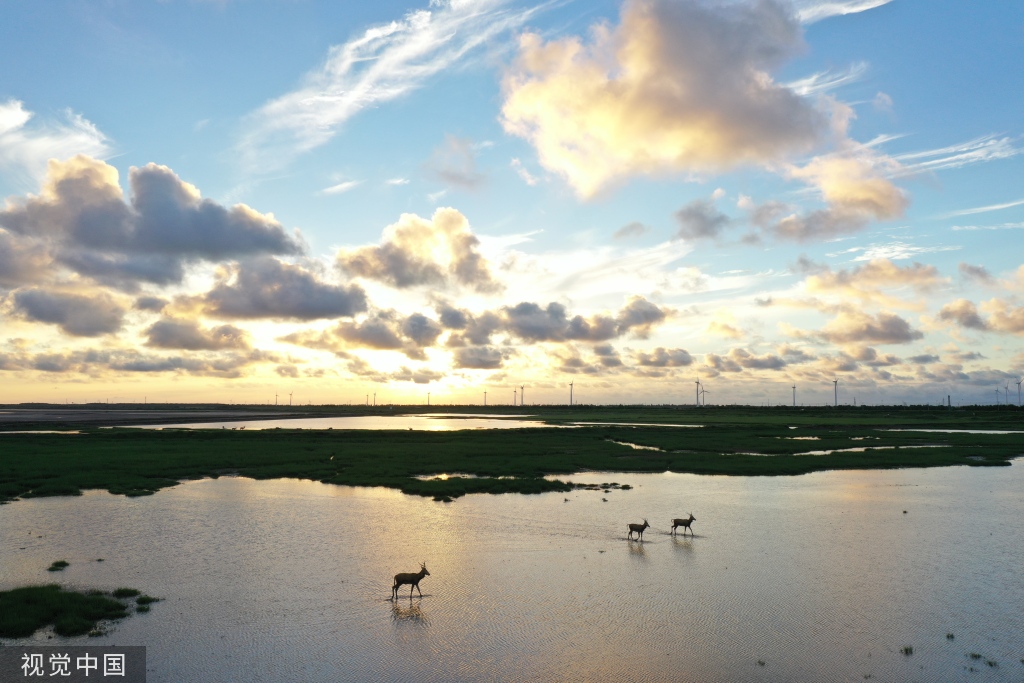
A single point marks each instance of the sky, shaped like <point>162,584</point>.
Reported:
<point>250,201</point>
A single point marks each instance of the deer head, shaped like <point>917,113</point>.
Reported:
<point>423,566</point>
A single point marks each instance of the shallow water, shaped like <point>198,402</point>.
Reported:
<point>823,577</point>
<point>428,422</point>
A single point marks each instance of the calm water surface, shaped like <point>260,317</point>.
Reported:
<point>822,577</point>
<point>430,422</point>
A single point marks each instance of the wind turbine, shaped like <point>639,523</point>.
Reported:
<point>1007,392</point>
<point>428,399</point>
<point>835,386</point>
<point>698,393</point>
<point>289,399</point>
<point>275,399</point>
<point>703,396</point>
<point>514,391</point>
<point>794,396</point>
<point>522,395</point>
<point>1018,391</point>
<point>485,398</point>
<point>375,399</point>
<point>570,392</point>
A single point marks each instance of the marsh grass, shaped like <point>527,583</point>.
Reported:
<point>58,566</point>
<point>136,462</point>
<point>23,611</point>
<point>125,593</point>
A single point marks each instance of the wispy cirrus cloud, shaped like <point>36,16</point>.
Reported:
<point>342,187</point>
<point>810,11</point>
<point>383,64</point>
<point>26,145</point>
<point>823,81</point>
<point>983,209</point>
<point>978,150</point>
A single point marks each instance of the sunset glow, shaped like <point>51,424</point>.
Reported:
<point>248,202</point>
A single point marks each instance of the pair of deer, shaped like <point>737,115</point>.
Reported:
<point>638,529</point>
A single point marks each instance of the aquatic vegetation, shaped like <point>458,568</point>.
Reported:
<point>23,611</point>
<point>907,650</point>
<point>58,566</point>
<point>125,593</point>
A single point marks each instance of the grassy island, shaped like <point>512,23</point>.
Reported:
<point>729,441</point>
<point>23,611</point>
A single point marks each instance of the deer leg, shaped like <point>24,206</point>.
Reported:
<point>418,590</point>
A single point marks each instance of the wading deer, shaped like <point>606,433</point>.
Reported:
<point>685,523</point>
<point>638,529</point>
<point>413,579</point>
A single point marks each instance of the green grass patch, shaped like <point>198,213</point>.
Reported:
<point>58,566</point>
<point>125,593</point>
<point>732,441</point>
<point>145,600</point>
<point>23,611</point>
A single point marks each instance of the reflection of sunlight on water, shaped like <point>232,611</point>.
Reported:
<point>432,422</point>
<point>821,575</point>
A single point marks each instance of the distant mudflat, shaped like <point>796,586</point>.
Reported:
<point>125,416</point>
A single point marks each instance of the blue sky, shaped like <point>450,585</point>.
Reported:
<point>459,195</point>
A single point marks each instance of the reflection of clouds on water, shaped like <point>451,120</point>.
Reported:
<point>411,614</point>
<point>290,578</point>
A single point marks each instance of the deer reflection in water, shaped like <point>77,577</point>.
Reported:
<point>411,614</point>
<point>411,578</point>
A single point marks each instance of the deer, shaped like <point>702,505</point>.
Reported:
<point>685,523</point>
<point>638,529</point>
<point>411,578</point>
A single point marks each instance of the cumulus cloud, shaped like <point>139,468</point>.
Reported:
<point>532,323</point>
<point>739,359</point>
<point>454,163</point>
<point>700,220</point>
<point>607,356</point>
<point>154,304</point>
<point>441,252</point>
<point>976,273</point>
<point>867,281</point>
<point>269,288</point>
<point>856,189</point>
<point>22,260</point>
<point>187,335</point>
<point>664,358</point>
<point>1004,317</point>
<point>854,327</point>
<point>469,329</point>
<point>82,220</point>
<point>26,145</point>
<point>676,87</point>
<point>78,315</point>
<point>478,357</point>
<point>383,330</point>
<point>964,313</point>
<point>104,362</point>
